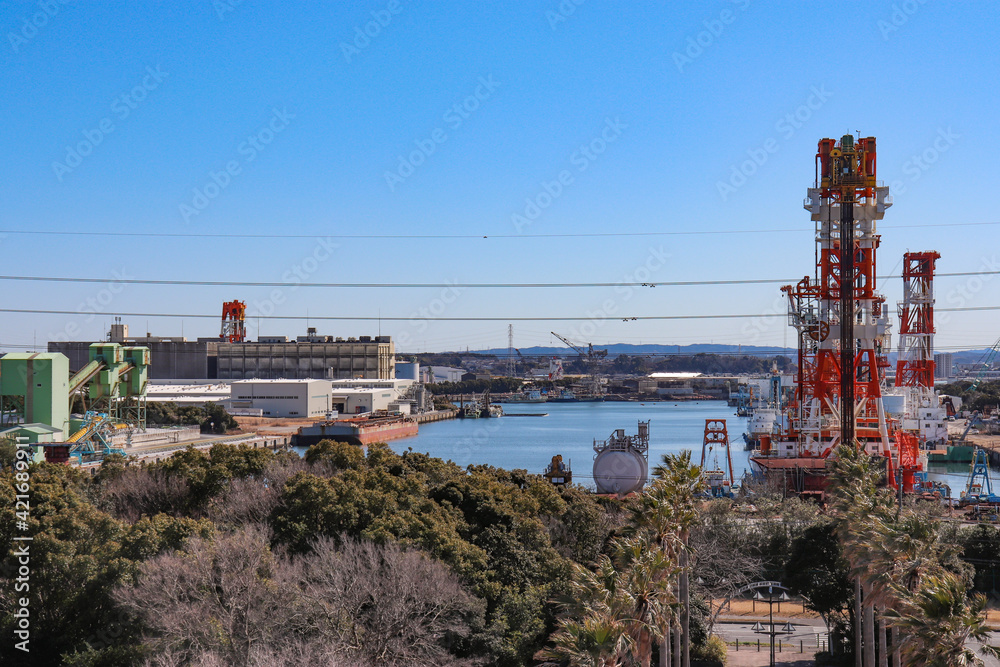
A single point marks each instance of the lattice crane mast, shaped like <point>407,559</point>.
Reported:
<point>233,322</point>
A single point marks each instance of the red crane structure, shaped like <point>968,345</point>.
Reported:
<point>915,363</point>
<point>840,318</point>
<point>843,339</point>
<point>234,328</point>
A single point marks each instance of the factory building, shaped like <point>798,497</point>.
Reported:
<point>316,357</point>
<point>271,357</point>
<point>172,358</point>
<point>282,398</point>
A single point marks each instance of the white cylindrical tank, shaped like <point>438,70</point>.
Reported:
<point>407,371</point>
<point>894,405</point>
<point>620,471</point>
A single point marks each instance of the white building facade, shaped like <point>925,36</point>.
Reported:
<point>283,398</point>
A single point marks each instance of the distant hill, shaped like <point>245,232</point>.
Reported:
<point>960,357</point>
<point>625,348</point>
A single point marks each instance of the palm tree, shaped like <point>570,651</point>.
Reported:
<point>678,481</point>
<point>594,634</point>
<point>901,564</point>
<point>864,511</point>
<point>646,571</point>
<point>939,619</point>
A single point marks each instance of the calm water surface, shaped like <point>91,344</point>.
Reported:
<point>569,429</point>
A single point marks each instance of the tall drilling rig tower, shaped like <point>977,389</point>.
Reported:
<point>843,340</point>
<point>841,320</point>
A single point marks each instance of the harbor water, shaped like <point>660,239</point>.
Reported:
<point>569,429</point>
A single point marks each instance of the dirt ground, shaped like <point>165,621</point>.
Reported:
<point>271,425</point>
<point>748,609</point>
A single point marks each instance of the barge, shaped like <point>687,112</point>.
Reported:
<point>361,430</point>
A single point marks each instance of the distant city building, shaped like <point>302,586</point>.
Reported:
<point>944,365</point>
<point>438,374</point>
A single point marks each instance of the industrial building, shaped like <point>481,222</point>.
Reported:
<point>231,358</point>
<point>365,357</point>
<point>353,401</point>
<point>282,398</point>
<point>37,386</point>
<point>172,357</point>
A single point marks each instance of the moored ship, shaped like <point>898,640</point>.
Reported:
<point>361,430</point>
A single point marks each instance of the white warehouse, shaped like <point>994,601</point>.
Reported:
<point>283,398</point>
<point>353,400</point>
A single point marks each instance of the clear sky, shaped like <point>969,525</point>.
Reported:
<point>501,120</point>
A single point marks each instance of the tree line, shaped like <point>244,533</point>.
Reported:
<point>246,556</point>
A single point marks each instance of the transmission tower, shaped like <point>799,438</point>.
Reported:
<point>511,364</point>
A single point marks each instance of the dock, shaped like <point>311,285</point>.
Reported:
<point>434,416</point>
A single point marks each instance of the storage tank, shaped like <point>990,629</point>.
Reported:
<point>407,371</point>
<point>620,472</point>
<point>621,465</point>
<point>894,405</point>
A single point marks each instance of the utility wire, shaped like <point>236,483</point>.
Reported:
<point>238,283</point>
<point>35,232</point>
<point>375,318</point>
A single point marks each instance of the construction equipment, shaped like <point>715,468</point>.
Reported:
<point>985,363</point>
<point>93,440</point>
<point>979,489</point>
<point>557,472</point>
<point>590,353</point>
<point>717,435</point>
<point>233,322</point>
<point>974,419</point>
<point>596,388</point>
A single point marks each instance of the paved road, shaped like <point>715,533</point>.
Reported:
<point>811,636</point>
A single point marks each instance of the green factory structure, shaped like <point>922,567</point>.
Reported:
<point>37,391</point>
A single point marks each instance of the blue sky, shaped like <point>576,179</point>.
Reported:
<point>258,117</point>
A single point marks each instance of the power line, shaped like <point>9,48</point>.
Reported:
<point>375,318</point>
<point>240,235</point>
<point>239,283</point>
